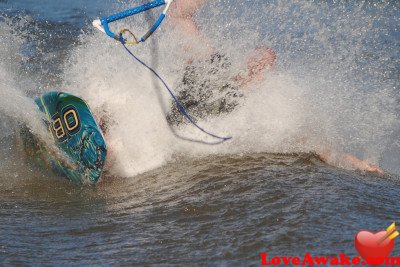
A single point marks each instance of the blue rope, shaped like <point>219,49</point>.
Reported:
<point>178,103</point>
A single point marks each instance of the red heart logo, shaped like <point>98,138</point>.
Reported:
<point>371,247</point>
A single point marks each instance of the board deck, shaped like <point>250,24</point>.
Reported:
<point>77,135</point>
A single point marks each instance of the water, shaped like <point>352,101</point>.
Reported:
<point>168,201</point>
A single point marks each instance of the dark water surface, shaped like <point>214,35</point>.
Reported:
<point>207,211</point>
<point>217,211</point>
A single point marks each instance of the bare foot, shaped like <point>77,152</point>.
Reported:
<point>339,159</point>
<point>363,165</point>
<point>374,169</point>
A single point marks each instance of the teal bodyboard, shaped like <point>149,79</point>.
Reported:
<point>77,135</point>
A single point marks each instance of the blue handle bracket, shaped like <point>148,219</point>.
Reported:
<point>130,12</point>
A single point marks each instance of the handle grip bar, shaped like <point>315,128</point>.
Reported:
<point>102,24</point>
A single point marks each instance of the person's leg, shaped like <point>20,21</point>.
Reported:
<point>346,160</point>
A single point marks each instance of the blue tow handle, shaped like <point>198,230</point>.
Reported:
<point>130,12</point>
<point>153,29</point>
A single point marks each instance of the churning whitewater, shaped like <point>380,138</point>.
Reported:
<point>166,200</point>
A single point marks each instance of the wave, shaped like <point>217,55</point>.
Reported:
<point>333,85</point>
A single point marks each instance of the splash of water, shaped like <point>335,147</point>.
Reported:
<point>332,87</point>
<point>15,106</point>
<point>329,87</point>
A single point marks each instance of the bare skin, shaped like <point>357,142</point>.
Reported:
<point>182,15</point>
<point>347,160</point>
<point>263,58</point>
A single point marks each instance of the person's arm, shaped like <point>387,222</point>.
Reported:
<point>262,58</point>
<point>182,15</point>
<point>182,12</point>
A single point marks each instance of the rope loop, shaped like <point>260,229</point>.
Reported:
<point>132,41</point>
